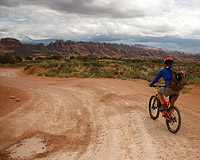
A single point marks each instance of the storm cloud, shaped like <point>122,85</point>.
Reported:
<point>98,8</point>
<point>100,19</point>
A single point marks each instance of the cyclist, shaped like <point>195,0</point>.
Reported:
<point>166,91</point>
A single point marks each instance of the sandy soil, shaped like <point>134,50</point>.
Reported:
<point>103,119</point>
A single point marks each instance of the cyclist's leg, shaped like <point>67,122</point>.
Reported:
<point>160,96</point>
<point>161,93</point>
<point>173,97</point>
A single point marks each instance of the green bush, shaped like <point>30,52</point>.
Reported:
<point>18,59</point>
<point>186,90</point>
<point>54,70</point>
<point>193,81</point>
<point>63,75</point>
<point>63,64</point>
<point>39,58</point>
<point>6,58</point>
<point>92,67</point>
<point>108,73</point>
<point>29,69</point>
<point>29,58</point>
<point>72,57</point>
<point>54,57</point>
<point>39,74</point>
<point>48,64</point>
<point>49,74</point>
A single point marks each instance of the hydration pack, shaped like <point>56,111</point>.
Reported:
<point>179,79</point>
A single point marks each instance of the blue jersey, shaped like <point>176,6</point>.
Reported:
<point>166,74</point>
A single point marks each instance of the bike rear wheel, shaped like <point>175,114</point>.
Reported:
<point>174,124</point>
<point>154,107</point>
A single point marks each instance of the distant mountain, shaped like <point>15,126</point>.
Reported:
<point>71,48</point>
<point>27,40</point>
<point>167,42</point>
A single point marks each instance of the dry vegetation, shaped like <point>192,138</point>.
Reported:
<point>93,67</point>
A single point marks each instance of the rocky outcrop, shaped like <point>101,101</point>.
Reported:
<point>71,48</point>
<point>11,43</point>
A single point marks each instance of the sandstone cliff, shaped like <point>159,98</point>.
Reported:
<point>71,48</point>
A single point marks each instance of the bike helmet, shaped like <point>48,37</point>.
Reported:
<point>168,61</point>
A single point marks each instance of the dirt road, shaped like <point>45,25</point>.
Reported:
<point>86,119</point>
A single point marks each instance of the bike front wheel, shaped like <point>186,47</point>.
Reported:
<point>154,107</point>
<point>174,123</point>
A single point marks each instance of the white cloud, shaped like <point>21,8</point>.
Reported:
<point>80,19</point>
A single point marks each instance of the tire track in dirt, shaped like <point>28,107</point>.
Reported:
<point>45,114</point>
<point>92,119</point>
<point>122,133</point>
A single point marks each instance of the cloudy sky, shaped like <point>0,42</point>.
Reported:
<point>171,24</point>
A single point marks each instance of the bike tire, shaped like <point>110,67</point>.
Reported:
<point>176,119</point>
<point>154,106</point>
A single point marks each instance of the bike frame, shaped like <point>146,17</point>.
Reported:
<point>168,114</point>
<point>165,113</point>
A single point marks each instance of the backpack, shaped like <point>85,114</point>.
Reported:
<point>179,79</point>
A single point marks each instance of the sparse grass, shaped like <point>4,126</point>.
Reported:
<point>186,90</point>
<point>29,69</point>
<point>93,67</point>
<point>39,74</point>
<point>194,81</point>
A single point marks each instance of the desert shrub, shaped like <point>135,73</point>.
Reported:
<point>43,64</point>
<point>91,75</point>
<point>150,78</point>
<point>49,74</point>
<point>108,73</point>
<point>193,81</point>
<point>133,74</point>
<point>79,75</point>
<point>6,58</point>
<point>39,58</point>
<point>29,58</point>
<point>67,69</point>
<point>90,66</point>
<point>87,58</point>
<point>39,74</point>
<point>62,64</point>
<point>54,70</point>
<point>29,69</point>
<point>82,75</point>
<point>54,57</point>
<point>63,75</point>
<point>124,78</point>
<point>48,64</point>
<point>72,57</point>
<point>18,59</point>
<point>153,70</point>
<point>137,60</point>
<point>186,90</point>
<point>94,70</point>
<point>159,61</point>
<point>54,64</point>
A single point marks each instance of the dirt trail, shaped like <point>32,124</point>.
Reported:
<point>84,119</point>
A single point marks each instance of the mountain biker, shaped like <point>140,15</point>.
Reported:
<point>166,91</point>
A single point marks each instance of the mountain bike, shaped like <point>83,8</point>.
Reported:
<point>171,113</point>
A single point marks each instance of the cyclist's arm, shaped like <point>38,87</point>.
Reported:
<point>160,74</point>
